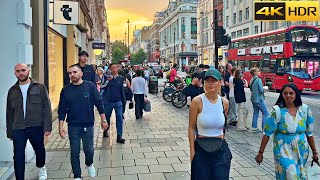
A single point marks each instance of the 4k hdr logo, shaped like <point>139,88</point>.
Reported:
<point>287,11</point>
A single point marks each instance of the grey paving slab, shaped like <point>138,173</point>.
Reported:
<point>142,150</point>
<point>161,168</point>
<point>125,177</point>
<point>169,160</point>
<point>152,176</point>
<point>153,155</point>
<point>110,171</point>
<point>133,156</point>
<point>177,176</point>
<point>175,153</point>
<point>182,167</point>
<point>162,148</point>
<point>141,162</point>
<point>122,163</point>
<point>136,170</point>
<point>59,174</point>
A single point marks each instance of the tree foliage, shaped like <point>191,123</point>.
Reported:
<point>138,57</point>
<point>120,45</point>
<point>117,55</point>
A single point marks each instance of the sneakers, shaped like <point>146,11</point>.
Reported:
<point>77,178</point>
<point>253,130</point>
<point>120,140</point>
<point>91,171</point>
<point>43,173</point>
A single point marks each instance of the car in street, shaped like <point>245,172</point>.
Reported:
<point>157,70</point>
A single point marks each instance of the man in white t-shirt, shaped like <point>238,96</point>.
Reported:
<point>232,116</point>
<point>29,117</point>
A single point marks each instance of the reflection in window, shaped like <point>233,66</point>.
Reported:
<point>304,35</point>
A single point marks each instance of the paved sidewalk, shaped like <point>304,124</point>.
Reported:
<point>156,148</point>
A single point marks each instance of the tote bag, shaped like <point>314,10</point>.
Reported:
<point>313,171</point>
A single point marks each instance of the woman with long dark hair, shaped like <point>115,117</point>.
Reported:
<point>291,122</point>
<point>240,97</point>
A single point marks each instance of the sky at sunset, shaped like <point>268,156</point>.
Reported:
<point>140,13</point>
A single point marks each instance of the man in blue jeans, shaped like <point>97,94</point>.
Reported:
<point>29,117</point>
<point>257,99</point>
<point>77,101</point>
<point>113,98</point>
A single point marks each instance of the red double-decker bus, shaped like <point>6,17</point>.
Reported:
<point>286,55</point>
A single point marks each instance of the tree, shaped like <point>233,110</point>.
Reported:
<point>117,55</point>
<point>138,57</point>
<point>120,45</point>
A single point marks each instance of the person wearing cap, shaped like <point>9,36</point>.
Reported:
<point>206,132</point>
<point>195,88</point>
<point>89,73</point>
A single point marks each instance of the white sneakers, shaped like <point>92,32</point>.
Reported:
<point>253,130</point>
<point>77,179</point>
<point>43,173</point>
<point>91,171</point>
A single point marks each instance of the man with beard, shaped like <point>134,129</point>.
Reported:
<point>88,71</point>
<point>29,117</point>
<point>77,102</point>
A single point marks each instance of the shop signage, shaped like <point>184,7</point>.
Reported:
<point>66,12</point>
<point>98,45</point>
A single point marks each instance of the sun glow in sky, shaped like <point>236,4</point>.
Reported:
<point>140,13</point>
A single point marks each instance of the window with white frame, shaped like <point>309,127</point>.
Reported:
<point>233,35</point>
<point>240,16</point>
<point>239,33</point>
<point>256,29</point>
<point>246,32</point>
<point>234,18</point>
<point>247,13</point>
<point>227,21</point>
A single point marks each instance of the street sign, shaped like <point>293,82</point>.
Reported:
<point>98,45</point>
<point>66,12</point>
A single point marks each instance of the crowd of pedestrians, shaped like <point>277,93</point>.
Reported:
<point>218,100</point>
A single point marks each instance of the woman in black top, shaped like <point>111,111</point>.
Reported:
<point>240,97</point>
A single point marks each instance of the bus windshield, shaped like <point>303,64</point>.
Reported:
<point>303,67</point>
<point>304,35</point>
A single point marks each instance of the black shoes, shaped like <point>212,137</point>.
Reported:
<point>120,140</point>
<point>233,123</point>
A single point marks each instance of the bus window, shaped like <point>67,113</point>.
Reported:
<point>235,45</point>
<point>255,42</point>
<point>254,64</point>
<point>270,39</point>
<point>266,65</point>
<point>304,35</point>
<point>242,44</point>
<point>262,41</point>
<point>280,38</point>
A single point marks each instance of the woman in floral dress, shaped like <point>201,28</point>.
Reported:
<point>291,122</point>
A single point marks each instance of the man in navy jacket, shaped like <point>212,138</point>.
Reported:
<point>77,101</point>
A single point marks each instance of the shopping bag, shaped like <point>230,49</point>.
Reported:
<point>131,105</point>
<point>313,171</point>
<point>147,106</point>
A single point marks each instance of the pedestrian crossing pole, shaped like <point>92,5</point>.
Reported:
<point>215,28</point>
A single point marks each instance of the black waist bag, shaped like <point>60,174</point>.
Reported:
<point>213,144</point>
<point>210,144</point>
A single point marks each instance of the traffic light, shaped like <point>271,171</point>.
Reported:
<point>222,38</point>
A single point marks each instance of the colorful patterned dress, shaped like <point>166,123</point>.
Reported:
<point>291,148</point>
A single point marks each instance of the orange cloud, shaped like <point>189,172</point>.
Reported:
<point>140,13</point>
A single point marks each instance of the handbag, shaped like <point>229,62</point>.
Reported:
<point>213,144</point>
<point>147,106</point>
<point>131,105</point>
<point>313,172</point>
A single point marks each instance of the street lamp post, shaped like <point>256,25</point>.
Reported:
<point>174,45</point>
<point>201,37</point>
<point>128,35</point>
<point>214,26</point>
<point>182,47</point>
<point>125,40</point>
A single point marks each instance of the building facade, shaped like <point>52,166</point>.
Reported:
<point>48,49</point>
<point>178,33</point>
<point>155,38</point>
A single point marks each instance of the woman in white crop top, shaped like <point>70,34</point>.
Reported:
<point>207,122</point>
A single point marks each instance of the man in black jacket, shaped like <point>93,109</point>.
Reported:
<point>29,117</point>
<point>89,73</point>
<point>77,101</point>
